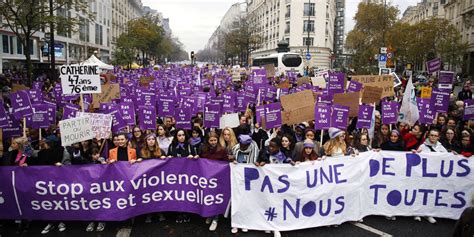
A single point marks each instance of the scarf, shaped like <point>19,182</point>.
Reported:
<point>280,157</point>
<point>194,141</point>
<point>20,159</point>
<point>180,145</point>
<point>251,153</point>
<point>393,145</point>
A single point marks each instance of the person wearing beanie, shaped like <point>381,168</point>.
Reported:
<point>308,153</point>
<point>246,151</point>
<point>336,146</point>
<point>298,151</point>
<point>299,132</point>
<point>394,143</point>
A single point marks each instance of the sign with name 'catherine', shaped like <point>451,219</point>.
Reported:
<point>80,79</point>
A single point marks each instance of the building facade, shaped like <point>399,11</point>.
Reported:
<point>299,23</point>
<point>424,10</point>
<point>92,37</point>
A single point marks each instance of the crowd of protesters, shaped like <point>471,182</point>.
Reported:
<point>248,143</point>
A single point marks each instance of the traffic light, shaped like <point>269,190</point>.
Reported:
<point>192,54</point>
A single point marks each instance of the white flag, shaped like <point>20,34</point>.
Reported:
<point>409,110</point>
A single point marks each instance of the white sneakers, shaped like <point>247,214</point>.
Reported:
<point>276,233</point>
<point>430,219</point>
<point>234,230</point>
<point>61,227</point>
<point>417,218</point>
<point>50,226</point>
<point>213,226</point>
<point>90,227</point>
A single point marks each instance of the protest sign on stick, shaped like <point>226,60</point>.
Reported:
<point>383,81</point>
<point>80,79</point>
<point>109,92</point>
<point>75,130</point>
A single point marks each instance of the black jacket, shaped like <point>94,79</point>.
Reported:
<point>176,151</point>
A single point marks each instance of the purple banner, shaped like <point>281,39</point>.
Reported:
<point>339,117</point>
<point>364,117</point>
<point>272,115</point>
<point>336,83</point>
<point>468,109</point>
<point>425,107</point>
<point>212,115</point>
<point>389,112</point>
<point>166,106</point>
<point>322,117</point>
<point>115,192</point>
<point>147,117</point>
<point>440,100</point>
<point>21,104</point>
<point>433,65</point>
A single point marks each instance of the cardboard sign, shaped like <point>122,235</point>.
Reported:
<point>270,70</point>
<point>229,120</point>
<point>145,81</point>
<point>101,124</point>
<point>383,81</point>
<point>318,81</point>
<point>75,130</point>
<point>80,79</point>
<point>349,99</point>
<point>371,95</point>
<point>303,80</point>
<point>297,107</point>
<point>18,87</point>
<point>109,92</point>
<point>445,79</point>
<point>284,85</point>
<point>426,92</point>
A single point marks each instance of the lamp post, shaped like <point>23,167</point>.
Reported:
<point>307,39</point>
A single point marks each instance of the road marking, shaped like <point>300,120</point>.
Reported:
<point>14,192</point>
<point>371,229</point>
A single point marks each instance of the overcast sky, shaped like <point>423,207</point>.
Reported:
<point>194,21</point>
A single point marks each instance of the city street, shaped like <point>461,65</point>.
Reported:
<point>372,226</point>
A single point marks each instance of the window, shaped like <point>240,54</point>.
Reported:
<point>287,40</point>
<point>97,34</point>
<point>5,43</point>
<point>288,11</point>
<point>32,50</point>
<point>287,29</point>
<point>19,47</point>
<point>308,41</point>
<point>308,26</point>
<point>291,60</point>
<point>309,9</point>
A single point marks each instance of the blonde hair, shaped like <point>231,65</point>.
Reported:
<point>332,146</point>
<point>233,139</point>
<point>21,141</point>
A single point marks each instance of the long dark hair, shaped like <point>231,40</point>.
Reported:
<point>175,137</point>
<point>135,142</point>
<point>167,133</point>
<point>356,142</point>
<point>290,138</point>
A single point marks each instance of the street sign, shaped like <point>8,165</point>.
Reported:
<point>383,50</point>
<point>47,36</point>
<point>308,56</point>
<point>382,58</point>
<point>389,55</point>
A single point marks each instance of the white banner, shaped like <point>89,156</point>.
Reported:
<point>80,79</point>
<point>75,130</point>
<point>336,190</point>
<point>101,124</point>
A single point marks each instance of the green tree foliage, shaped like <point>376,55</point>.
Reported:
<point>26,17</point>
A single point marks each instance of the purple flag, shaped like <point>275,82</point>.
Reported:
<point>21,104</point>
<point>440,100</point>
<point>166,106</point>
<point>147,117</point>
<point>468,109</point>
<point>127,110</point>
<point>69,111</point>
<point>425,107</point>
<point>433,65</point>
<point>133,190</point>
<point>389,112</point>
<point>354,86</point>
<point>3,116</point>
<point>339,117</point>
<point>322,116</point>
<point>212,115</point>
<point>183,119</point>
<point>364,117</point>
<point>272,115</point>
<point>336,83</point>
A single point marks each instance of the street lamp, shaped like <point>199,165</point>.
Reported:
<point>307,39</point>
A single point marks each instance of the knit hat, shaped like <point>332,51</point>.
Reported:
<point>245,139</point>
<point>335,132</point>
<point>301,126</point>
<point>308,143</point>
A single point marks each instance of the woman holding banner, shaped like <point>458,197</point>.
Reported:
<point>15,155</point>
<point>450,142</point>
<point>311,135</point>
<point>122,152</point>
<point>288,146</point>
<point>196,139</point>
<point>164,138</point>
<point>180,146</point>
<point>151,149</point>
<point>395,142</point>
<point>382,135</point>
<point>359,144</point>
<point>228,139</point>
<point>336,146</point>
<point>308,153</point>
<point>137,138</point>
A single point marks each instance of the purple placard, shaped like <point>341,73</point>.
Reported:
<point>336,83</point>
<point>69,111</point>
<point>339,116</point>
<point>183,119</point>
<point>40,117</point>
<point>241,103</point>
<point>127,110</point>
<point>468,109</point>
<point>37,85</point>
<point>147,98</point>
<point>322,117</point>
<point>229,102</point>
<point>271,93</point>
<point>425,107</point>
<point>3,116</point>
<point>166,106</point>
<point>445,80</point>
<point>118,124</point>
<point>364,117</point>
<point>354,86</point>
<point>272,115</point>
<point>211,115</point>
<point>36,96</point>
<point>433,65</point>
<point>325,100</point>
<point>189,103</point>
<point>389,112</point>
<point>21,104</point>
<point>440,100</point>
<point>51,111</point>
<point>130,197</point>
<point>147,117</point>
<point>259,113</point>
<point>13,129</point>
